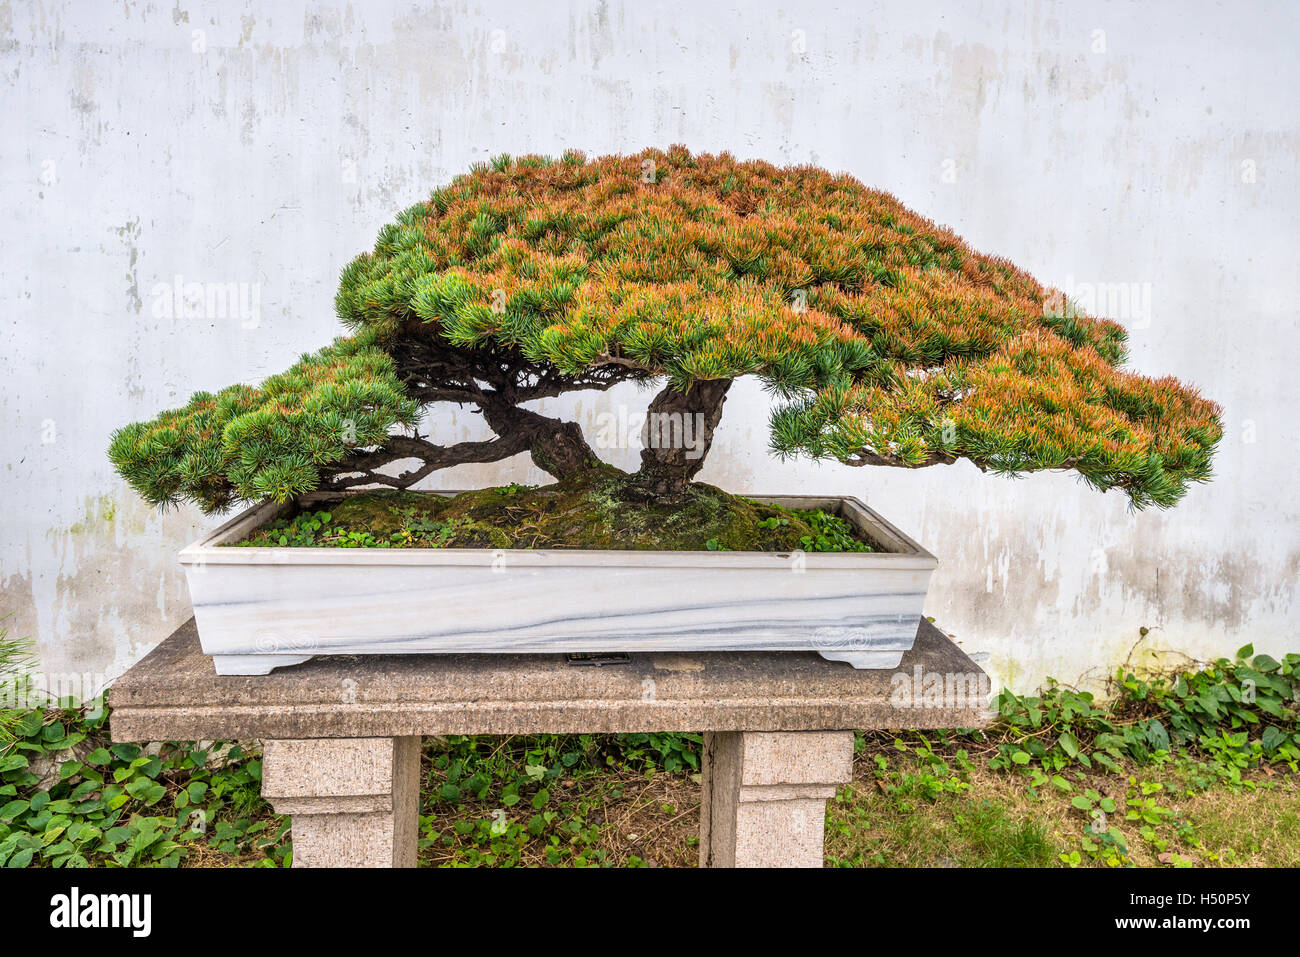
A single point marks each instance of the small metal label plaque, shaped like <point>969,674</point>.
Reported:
<point>598,659</point>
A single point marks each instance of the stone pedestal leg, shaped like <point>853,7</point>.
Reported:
<point>354,801</point>
<point>765,793</point>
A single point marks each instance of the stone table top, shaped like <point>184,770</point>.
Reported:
<point>173,693</point>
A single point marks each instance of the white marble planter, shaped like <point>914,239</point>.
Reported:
<point>261,608</point>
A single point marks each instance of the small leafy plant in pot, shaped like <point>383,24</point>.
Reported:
<point>886,340</point>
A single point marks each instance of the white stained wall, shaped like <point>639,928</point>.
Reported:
<point>1144,155</point>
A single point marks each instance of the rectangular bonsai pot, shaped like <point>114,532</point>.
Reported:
<point>261,608</point>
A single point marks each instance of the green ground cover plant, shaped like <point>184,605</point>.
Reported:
<point>589,511</point>
<point>1188,768</point>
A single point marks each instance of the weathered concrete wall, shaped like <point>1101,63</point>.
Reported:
<point>264,145</point>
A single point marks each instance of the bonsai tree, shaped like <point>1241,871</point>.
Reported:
<point>886,339</point>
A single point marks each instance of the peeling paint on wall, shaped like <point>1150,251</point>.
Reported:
<point>265,146</point>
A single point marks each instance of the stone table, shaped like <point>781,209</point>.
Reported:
<point>342,733</point>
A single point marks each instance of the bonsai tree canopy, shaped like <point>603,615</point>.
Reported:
<point>886,339</point>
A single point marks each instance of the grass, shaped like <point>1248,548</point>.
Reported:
<point>1198,768</point>
<point>1261,829</point>
<point>511,802</point>
<point>908,806</point>
<point>911,806</point>
<point>866,828</point>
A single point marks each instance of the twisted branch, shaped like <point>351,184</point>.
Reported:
<point>362,469</point>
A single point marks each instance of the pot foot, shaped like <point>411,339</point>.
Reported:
<point>865,659</point>
<point>254,664</point>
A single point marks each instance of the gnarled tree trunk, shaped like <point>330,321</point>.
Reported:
<point>556,447</point>
<point>677,435</point>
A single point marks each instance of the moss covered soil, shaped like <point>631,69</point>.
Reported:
<point>597,510</point>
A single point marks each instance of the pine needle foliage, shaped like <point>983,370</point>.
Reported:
<point>886,339</point>
<point>272,441</point>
